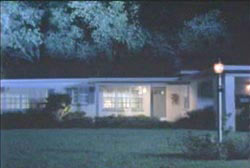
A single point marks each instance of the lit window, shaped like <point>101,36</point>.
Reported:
<point>14,102</point>
<point>120,99</point>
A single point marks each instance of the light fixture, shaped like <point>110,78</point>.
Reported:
<point>218,68</point>
<point>144,90</point>
<point>248,88</point>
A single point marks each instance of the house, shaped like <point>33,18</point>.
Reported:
<point>168,98</point>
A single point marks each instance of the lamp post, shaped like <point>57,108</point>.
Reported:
<point>218,69</point>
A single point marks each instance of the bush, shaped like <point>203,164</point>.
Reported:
<point>206,147</point>
<point>30,119</point>
<point>77,120</point>
<point>139,121</point>
<point>58,105</point>
<point>198,119</point>
<point>238,147</point>
<point>202,147</point>
<point>74,115</point>
<point>13,120</point>
<point>40,118</point>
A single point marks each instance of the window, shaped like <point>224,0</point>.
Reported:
<point>14,102</point>
<point>120,99</point>
<point>80,96</point>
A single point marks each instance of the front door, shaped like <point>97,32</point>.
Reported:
<point>159,102</point>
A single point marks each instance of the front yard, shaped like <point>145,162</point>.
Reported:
<point>101,148</point>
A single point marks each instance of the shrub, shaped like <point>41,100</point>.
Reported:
<point>198,119</point>
<point>203,147</point>
<point>58,105</point>
<point>139,121</point>
<point>77,120</point>
<point>39,118</point>
<point>43,119</point>
<point>12,120</point>
<point>74,115</point>
<point>29,119</point>
<point>206,147</point>
<point>238,147</point>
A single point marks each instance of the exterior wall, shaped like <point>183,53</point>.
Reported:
<point>177,101</point>
<point>200,100</point>
<point>38,90</point>
<point>193,95</point>
<point>229,107</point>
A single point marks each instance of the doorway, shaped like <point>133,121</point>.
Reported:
<point>158,102</point>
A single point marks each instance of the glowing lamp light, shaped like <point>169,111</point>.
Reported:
<point>144,90</point>
<point>248,88</point>
<point>218,68</point>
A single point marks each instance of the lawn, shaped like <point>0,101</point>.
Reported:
<point>101,148</point>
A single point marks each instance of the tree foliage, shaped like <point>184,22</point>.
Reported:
<point>109,23</point>
<point>110,38</point>
<point>20,30</point>
<point>202,31</point>
<point>203,38</point>
<point>70,29</point>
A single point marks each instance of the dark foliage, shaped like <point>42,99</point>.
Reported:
<point>238,148</point>
<point>58,105</point>
<point>57,101</point>
<point>199,119</point>
<point>206,147</point>
<point>203,147</point>
<point>129,122</point>
<point>122,66</point>
<point>30,119</point>
<point>44,119</point>
<point>77,120</point>
<point>41,119</point>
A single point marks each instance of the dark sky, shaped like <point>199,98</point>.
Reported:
<point>169,17</point>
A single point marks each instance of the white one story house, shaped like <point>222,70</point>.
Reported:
<point>167,98</point>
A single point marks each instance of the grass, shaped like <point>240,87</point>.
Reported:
<point>101,148</point>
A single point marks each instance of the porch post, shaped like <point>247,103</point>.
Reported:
<point>97,102</point>
<point>215,98</point>
<point>229,102</point>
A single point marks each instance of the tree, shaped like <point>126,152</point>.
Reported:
<point>204,34</point>
<point>69,29</point>
<point>110,23</point>
<point>20,30</point>
<point>65,39</point>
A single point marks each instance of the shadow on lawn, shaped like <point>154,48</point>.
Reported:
<point>70,151</point>
<point>164,155</point>
<point>169,156</point>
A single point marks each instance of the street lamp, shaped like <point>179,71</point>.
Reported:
<point>218,69</point>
